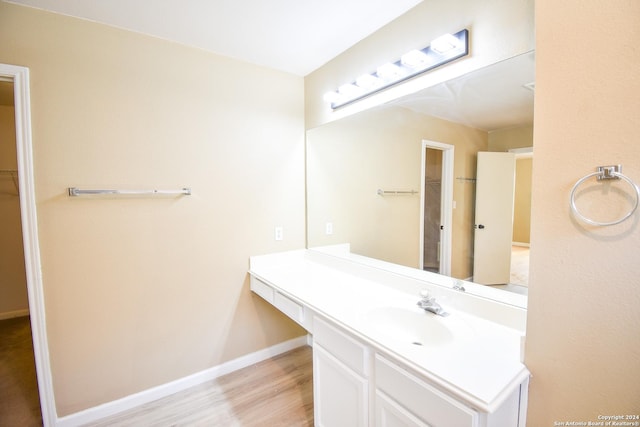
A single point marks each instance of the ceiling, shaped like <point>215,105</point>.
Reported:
<point>296,36</point>
<point>492,98</point>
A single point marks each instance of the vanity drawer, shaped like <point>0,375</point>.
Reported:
<point>289,307</point>
<point>262,289</point>
<point>349,351</point>
<point>421,399</point>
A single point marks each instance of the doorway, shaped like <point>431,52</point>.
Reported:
<point>18,385</point>
<point>432,210</point>
<point>436,204</point>
<point>19,76</point>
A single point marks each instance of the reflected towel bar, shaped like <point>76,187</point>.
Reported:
<point>73,191</point>
<point>396,192</point>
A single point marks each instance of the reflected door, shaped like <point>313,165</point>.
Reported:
<point>495,186</point>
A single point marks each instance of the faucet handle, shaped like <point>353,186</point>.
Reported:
<point>425,294</point>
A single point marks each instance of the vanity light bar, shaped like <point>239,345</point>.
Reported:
<point>442,50</point>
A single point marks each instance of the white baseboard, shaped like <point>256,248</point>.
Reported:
<point>15,313</point>
<point>524,245</point>
<point>129,402</point>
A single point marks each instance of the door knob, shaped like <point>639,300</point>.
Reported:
<point>480,226</point>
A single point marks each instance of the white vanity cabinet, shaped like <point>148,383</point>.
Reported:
<point>404,399</point>
<point>355,385</point>
<point>340,378</point>
<point>361,379</point>
<point>292,309</point>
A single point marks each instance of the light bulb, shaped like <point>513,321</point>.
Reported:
<point>414,59</point>
<point>389,71</point>
<point>349,90</point>
<point>332,97</point>
<point>368,81</point>
<point>444,43</point>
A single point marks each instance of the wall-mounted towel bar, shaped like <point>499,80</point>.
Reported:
<point>396,192</point>
<point>74,191</point>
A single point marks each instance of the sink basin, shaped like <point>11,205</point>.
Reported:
<point>413,326</point>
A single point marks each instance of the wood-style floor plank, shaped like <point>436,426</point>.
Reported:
<point>275,392</point>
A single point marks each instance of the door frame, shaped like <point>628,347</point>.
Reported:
<point>20,78</point>
<point>446,204</point>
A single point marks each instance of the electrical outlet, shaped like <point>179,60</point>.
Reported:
<point>328,228</point>
<point>278,233</point>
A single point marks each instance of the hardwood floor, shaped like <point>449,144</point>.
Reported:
<point>19,401</point>
<point>275,392</point>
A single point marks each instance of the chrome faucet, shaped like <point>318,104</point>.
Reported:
<point>428,303</point>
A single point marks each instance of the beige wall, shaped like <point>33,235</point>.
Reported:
<point>504,140</point>
<point>493,38</point>
<point>507,139</point>
<point>583,322</point>
<point>142,291</point>
<point>348,160</point>
<point>13,283</point>
<point>522,201</point>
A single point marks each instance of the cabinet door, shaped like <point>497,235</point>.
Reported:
<point>390,414</point>
<point>340,395</point>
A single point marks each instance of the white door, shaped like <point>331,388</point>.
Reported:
<point>495,186</point>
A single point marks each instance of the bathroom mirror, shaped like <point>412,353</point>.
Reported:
<point>367,173</point>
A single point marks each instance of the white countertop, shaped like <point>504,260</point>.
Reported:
<point>480,365</point>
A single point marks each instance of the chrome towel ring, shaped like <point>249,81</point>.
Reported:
<point>604,173</point>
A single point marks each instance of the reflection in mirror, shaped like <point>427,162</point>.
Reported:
<point>350,159</point>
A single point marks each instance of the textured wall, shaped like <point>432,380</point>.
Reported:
<point>143,291</point>
<point>583,322</point>
<point>522,201</point>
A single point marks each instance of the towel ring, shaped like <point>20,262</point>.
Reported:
<point>604,172</point>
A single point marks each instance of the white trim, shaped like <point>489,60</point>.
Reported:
<point>524,245</point>
<point>446,204</point>
<point>14,313</point>
<point>132,401</point>
<point>522,153</point>
<point>20,78</point>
